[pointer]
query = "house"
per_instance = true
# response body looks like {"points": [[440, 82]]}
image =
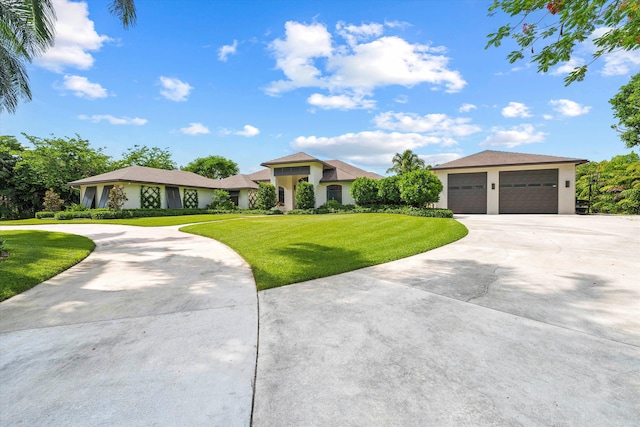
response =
{"points": [[158, 188], [498, 182]]}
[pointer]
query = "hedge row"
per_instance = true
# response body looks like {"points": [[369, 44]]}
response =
{"points": [[143, 213], [394, 209]]}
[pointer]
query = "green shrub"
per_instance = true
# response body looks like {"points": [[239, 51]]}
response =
{"points": [[301, 212], [266, 197], [76, 207], [221, 200], [66, 215], [419, 188], [333, 205], [389, 190], [305, 196], [45, 214], [52, 201], [1, 245], [365, 191], [261, 212]]}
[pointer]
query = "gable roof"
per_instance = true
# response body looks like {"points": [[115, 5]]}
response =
{"points": [[293, 158], [261, 175], [342, 171], [144, 174], [503, 158]]}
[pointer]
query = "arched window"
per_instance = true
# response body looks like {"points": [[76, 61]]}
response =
{"points": [[334, 192], [281, 195]]}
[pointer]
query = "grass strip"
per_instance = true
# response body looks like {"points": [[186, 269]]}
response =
{"points": [[35, 256], [160, 221], [292, 249]]}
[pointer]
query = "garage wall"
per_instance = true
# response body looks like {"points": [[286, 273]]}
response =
{"points": [[566, 195]]}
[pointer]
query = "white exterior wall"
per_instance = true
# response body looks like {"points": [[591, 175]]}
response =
{"points": [[566, 195], [321, 193], [289, 182], [243, 198], [132, 191]]}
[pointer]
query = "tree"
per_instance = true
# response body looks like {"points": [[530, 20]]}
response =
{"points": [[626, 107], [305, 196], [420, 187], [266, 197], [52, 201], [27, 30], [552, 29], [364, 191], [153, 157], [406, 162], [215, 167]]}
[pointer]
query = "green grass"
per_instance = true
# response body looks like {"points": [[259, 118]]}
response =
{"points": [[159, 221], [291, 249], [35, 256]]}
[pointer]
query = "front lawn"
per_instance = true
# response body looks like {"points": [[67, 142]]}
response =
{"points": [[158, 221], [291, 249], [35, 256]]}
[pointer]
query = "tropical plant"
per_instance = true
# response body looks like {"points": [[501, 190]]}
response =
{"points": [[626, 107], [266, 197], [364, 191], [117, 198], [420, 187], [27, 30], [305, 196], [215, 167], [404, 162], [552, 29]]}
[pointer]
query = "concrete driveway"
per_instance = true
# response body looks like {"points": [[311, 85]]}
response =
{"points": [[529, 320], [155, 327]]}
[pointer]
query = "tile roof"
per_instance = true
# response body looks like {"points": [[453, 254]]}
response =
{"points": [[344, 172], [261, 175], [236, 182], [293, 158], [150, 175], [504, 158]]}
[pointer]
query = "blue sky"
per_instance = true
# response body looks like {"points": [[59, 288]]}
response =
{"points": [[351, 80]]}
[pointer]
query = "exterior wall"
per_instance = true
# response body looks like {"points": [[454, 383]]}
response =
{"points": [[321, 193], [289, 182], [132, 191], [243, 199], [566, 195]]}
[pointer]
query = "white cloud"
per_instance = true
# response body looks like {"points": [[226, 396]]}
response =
{"points": [[568, 66], [517, 135], [195, 129], [174, 89], [401, 99], [516, 109], [248, 131], [309, 57], [340, 102], [547, 116], [83, 88], [75, 38], [439, 125], [465, 108], [227, 50], [568, 108], [618, 62], [97, 118]]}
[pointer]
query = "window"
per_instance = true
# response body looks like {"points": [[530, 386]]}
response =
{"points": [[234, 195], [295, 170], [104, 198], [89, 199], [173, 198], [334, 192], [281, 195]]}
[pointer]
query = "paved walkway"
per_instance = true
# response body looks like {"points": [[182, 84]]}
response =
{"points": [[529, 320], [155, 327]]}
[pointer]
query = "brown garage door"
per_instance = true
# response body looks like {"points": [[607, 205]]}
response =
{"points": [[467, 192], [523, 192]]}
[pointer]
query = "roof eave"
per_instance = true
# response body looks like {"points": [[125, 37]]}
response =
{"points": [[574, 161]]}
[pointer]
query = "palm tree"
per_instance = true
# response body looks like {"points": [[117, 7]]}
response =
{"points": [[406, 162], [27, 29]]}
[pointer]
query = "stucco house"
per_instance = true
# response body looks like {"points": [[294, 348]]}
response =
{"points": [[158, 188], [498, 182]]}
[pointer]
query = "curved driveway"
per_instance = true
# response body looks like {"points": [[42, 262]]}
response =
{"points": [[529, 320], [155, 327]]}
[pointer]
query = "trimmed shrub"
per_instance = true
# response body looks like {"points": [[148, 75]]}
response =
{"points": [[301, 212], [76, 207], [73, 215], [267, 197], [419, 188], [45, 214], [389, 190], [365, 191], [305, 196], [221, 200]]}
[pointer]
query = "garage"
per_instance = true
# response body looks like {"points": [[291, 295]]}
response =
{"points": [[468, 192], [529, 191]]}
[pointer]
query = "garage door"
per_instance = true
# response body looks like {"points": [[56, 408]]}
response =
{"points": [[467, 192], [534, 191]]}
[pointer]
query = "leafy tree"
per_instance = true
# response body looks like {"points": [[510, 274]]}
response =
{"points": [[27, 30], [420, 187], [52, 201], [389, 190], [612, 186], [266, 197], [153, 157], [404, 162], [364, 191], [215, 167], [221, 200], [551, 29], [305, 196], [626, 107], [117, 197]]}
